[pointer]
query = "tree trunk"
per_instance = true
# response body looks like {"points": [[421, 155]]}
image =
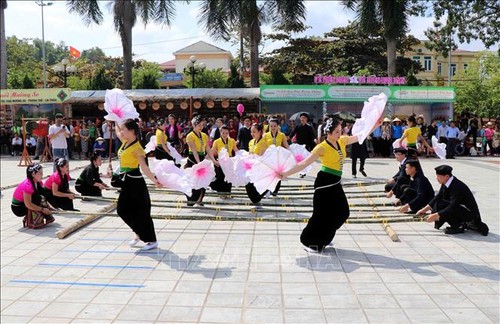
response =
{"points": [[126, 38], [3, 45], [254, 54], [242, 57], [391, 56]]}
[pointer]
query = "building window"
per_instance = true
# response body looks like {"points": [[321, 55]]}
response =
{"points": [[440, 68], [453, 69], [466, 66], [416, 59], [427, 63]]}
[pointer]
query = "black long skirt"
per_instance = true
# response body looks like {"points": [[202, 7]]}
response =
{"points": [[219, 184], [330, 211], [63, 203], [134, 206], [196, 194]]}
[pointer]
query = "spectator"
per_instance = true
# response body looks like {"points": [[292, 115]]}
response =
{"points": [[100, 147], [441, 133], [285, 128], [244, 135], [57, 136], [452, 138], [397, 129], [432, 130], [70, 140], [84, 139], [107, 135], [17, 145], [30, 144], [473, 128], [488, 135]]}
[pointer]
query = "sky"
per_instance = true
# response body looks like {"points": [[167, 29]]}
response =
{"points": [[155, 43]]}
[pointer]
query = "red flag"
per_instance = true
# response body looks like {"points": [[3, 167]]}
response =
{"points": [[74, 52]]}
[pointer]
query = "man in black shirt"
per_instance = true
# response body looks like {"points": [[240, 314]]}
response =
{"points": [[304, 132], [419, 192], [244, 135], [454, 204]]}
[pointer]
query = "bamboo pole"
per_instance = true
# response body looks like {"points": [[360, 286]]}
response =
{"points": [[89, 218]]}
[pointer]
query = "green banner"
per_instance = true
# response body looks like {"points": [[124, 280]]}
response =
{"points": [[341, 93], [34, 96]]}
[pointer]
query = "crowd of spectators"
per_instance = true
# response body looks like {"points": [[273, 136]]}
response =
{"points": [[464, 136]]}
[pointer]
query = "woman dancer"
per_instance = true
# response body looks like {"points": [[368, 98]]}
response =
{"points": [[161, 150], [330, 207], [256, 146], [89, 182], [413, 134], [198, 148], [134, 203], [277, 138], [224, 141], [57, 187], [27, 200]]}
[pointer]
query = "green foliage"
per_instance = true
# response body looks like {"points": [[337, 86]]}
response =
{"points": [[100, 81], [234, 80], [145, 75], [95, 54], [277, 77], [28, 83], [342, 51], [77, 83], [478, 87], [467, 19], [411, 80], [206, 79], [21, 61]]}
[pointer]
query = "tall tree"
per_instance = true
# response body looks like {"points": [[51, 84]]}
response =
{"points": [[221, 16], [391, 15], [342, 51], [3, 46], [467, 19], [125, 14]]}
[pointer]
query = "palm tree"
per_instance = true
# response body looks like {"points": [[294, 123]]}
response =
{"points": [[391, 15], [3, 45], [220, 17], [125, 13]]}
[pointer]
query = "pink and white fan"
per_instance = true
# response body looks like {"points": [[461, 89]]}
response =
{"points": [[439, 148], [172, 177], [397, 144], [118, 106], [201, 175], [151, 145], [300, 153], [370, 115], [227, 165], [274, 161], [243, 165]]}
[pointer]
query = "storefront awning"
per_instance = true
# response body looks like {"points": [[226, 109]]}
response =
{"points": [[92, 96]]}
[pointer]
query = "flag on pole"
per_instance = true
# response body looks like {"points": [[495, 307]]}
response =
{"points": [[74, 52]]}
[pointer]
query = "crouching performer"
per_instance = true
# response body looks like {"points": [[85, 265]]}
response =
{"points": [[419, 192], [454, 204], [27, 201], [89, 182]]}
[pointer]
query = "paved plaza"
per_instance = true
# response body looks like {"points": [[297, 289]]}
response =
{"points": [[254, 271]]}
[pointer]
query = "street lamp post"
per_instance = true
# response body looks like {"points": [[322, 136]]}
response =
{"points": [[44, 64], [194, 68], [64, 68]]}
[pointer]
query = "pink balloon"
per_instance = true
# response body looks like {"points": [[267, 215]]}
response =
{"points": [[240, 108]]}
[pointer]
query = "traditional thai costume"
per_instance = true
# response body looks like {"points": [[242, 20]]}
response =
{"points": [[256, 147], [200, 142], [62, 182], [219, 184]]}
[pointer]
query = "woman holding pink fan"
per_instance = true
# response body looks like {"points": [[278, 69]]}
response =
{"points": [[198, 148], [134, 203]]}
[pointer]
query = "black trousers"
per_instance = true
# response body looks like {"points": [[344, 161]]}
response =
{"points": [[253, 194], [59, 202], [87, 190], [458, 215], [330, 211], [219, 184], [134, 206], [196, 194], [361, 164]]}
